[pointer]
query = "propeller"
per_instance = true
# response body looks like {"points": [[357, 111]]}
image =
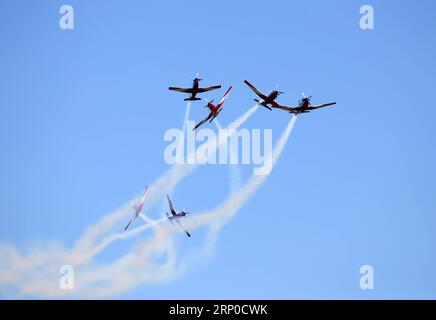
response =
{"points": [[211, 102], [304, 96], [277, 89]]}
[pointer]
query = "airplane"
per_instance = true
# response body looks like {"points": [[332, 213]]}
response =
{"points": [[304, 106], [214, 109], [138, 208], [175, 216], [195, 89], [266, 99]]}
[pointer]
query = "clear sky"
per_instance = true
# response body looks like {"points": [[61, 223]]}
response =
{"points": [[83, 113]]}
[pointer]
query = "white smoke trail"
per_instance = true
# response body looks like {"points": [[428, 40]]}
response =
{"points": [[143, 265], [180, 145], [227, 210], [234, 169], [162, 186], [217, 218], [185, 121], [165, 243], [235, 184], [33, 272], [124, 235]]}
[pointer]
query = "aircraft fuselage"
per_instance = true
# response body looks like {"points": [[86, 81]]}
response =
{"points": [[177, 215], [138, 208], [270, 98], [195, 86], [213, 108], [304, 103]]}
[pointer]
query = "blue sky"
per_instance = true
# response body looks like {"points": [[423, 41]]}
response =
{"points": [[83, 113]]}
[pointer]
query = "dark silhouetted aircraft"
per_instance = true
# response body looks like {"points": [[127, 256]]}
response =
{"points": [[214, 109], [304, 106], [194, 90], [175, 216], [266, 99]]}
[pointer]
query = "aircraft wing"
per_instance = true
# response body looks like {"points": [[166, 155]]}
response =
{"points": [[289, 109], [321, 105], [129, 223], [224, 97], [145, 194], [260, 94], [275, 104], [201, 90], [187, 90], [183, 228], [202, 122], [171, 205]]}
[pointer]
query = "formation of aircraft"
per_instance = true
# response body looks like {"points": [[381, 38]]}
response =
{"points": [[138, 208], [195, 89], [304, 106], [267, 101], [173, 217], [214, 109]]}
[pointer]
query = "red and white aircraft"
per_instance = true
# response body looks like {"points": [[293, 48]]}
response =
{"points": [[138, 208], [214, 109]]}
